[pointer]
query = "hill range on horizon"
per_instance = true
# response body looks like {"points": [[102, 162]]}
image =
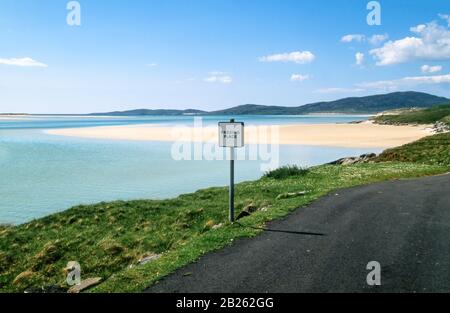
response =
{"points": [[353, 105]]}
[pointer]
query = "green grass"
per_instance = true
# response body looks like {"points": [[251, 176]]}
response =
{"points": [[425, 116], [286, 171], [429, 150], [446, 119], [107, 239]]}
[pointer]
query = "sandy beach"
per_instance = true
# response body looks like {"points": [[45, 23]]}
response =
{"points": [[364, 135], [12, 116]]}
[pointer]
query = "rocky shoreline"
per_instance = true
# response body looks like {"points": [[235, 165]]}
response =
{"points": [[365, 158]]}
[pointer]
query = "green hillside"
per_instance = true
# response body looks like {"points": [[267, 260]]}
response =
{"points": [[429, 150], [355, 105], [432, 115]]}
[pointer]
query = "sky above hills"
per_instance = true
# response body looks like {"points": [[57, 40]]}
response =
{"points": [[211, 55]]}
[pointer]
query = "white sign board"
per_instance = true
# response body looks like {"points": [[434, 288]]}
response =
{"points": [[231, 135]]}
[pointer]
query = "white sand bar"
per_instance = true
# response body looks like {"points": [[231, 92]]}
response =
{"points": [[364, 135]]}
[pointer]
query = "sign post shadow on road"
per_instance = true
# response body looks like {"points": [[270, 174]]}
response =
{"points": [[231, 135]]}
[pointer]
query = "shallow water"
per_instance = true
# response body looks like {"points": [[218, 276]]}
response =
{"points": [[42, 174]]}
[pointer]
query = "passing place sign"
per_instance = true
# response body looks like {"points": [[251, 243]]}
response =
{"points": [[231, 135]]}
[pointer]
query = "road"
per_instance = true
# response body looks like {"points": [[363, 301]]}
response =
{"points": [[404, 225]]}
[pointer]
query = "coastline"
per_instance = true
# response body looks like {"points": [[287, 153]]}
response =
{"points": [[207, 230], [13, 116], [363, 135]]}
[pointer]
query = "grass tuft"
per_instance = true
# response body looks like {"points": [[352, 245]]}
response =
{"points": [[286, 172]]}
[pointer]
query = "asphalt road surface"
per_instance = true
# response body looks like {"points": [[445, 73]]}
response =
{"points": [[403, 225]]}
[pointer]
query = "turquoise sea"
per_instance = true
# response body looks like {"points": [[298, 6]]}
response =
{"points": [[42, 174]]}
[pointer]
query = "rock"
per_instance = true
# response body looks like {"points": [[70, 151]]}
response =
{"points": [[24, 278], [248, 210], [242, 215], [210, 224], [440, 127], [85, 284], [289, 195], [217, 226], [251, 208], [365, 158], [150, 257]]}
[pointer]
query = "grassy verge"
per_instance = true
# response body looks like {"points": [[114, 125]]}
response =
{"points": [[108, 239], [429, 150], [425, 116]]}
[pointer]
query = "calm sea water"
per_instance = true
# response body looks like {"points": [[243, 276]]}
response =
{"points": [[42, 174]]}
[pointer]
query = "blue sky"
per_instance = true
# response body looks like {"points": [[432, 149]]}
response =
{"points": [[212, 54]]}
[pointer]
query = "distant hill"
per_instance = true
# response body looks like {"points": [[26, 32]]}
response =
{"points": [[13, 114], [355, 105], [377, 103], [152, 112], [369, 104]]}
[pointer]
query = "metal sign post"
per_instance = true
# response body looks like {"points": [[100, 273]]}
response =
{"points": [[231, 201], [231, 135]]}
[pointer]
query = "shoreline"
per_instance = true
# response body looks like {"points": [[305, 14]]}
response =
{"points": [[13, 116], [363, 135]]}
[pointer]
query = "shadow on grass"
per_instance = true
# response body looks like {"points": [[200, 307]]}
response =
{"points": [[282, 231]]}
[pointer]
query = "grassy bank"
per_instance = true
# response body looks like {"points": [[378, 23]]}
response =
{"points": [[429, 150], [108, 239], [432, 115]]}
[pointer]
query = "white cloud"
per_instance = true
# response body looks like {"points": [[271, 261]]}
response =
{"points": [[418, 29], [339, 90], [359, 58], [431, 43], [445, 17], [299, 77], [374, 40], [378, 39], [353, 37], [217, 73], [23, 62], [152, 64], [437, 79], [407, 82], [219, 77], [390, 85], [299, 57], [427, 69]]}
